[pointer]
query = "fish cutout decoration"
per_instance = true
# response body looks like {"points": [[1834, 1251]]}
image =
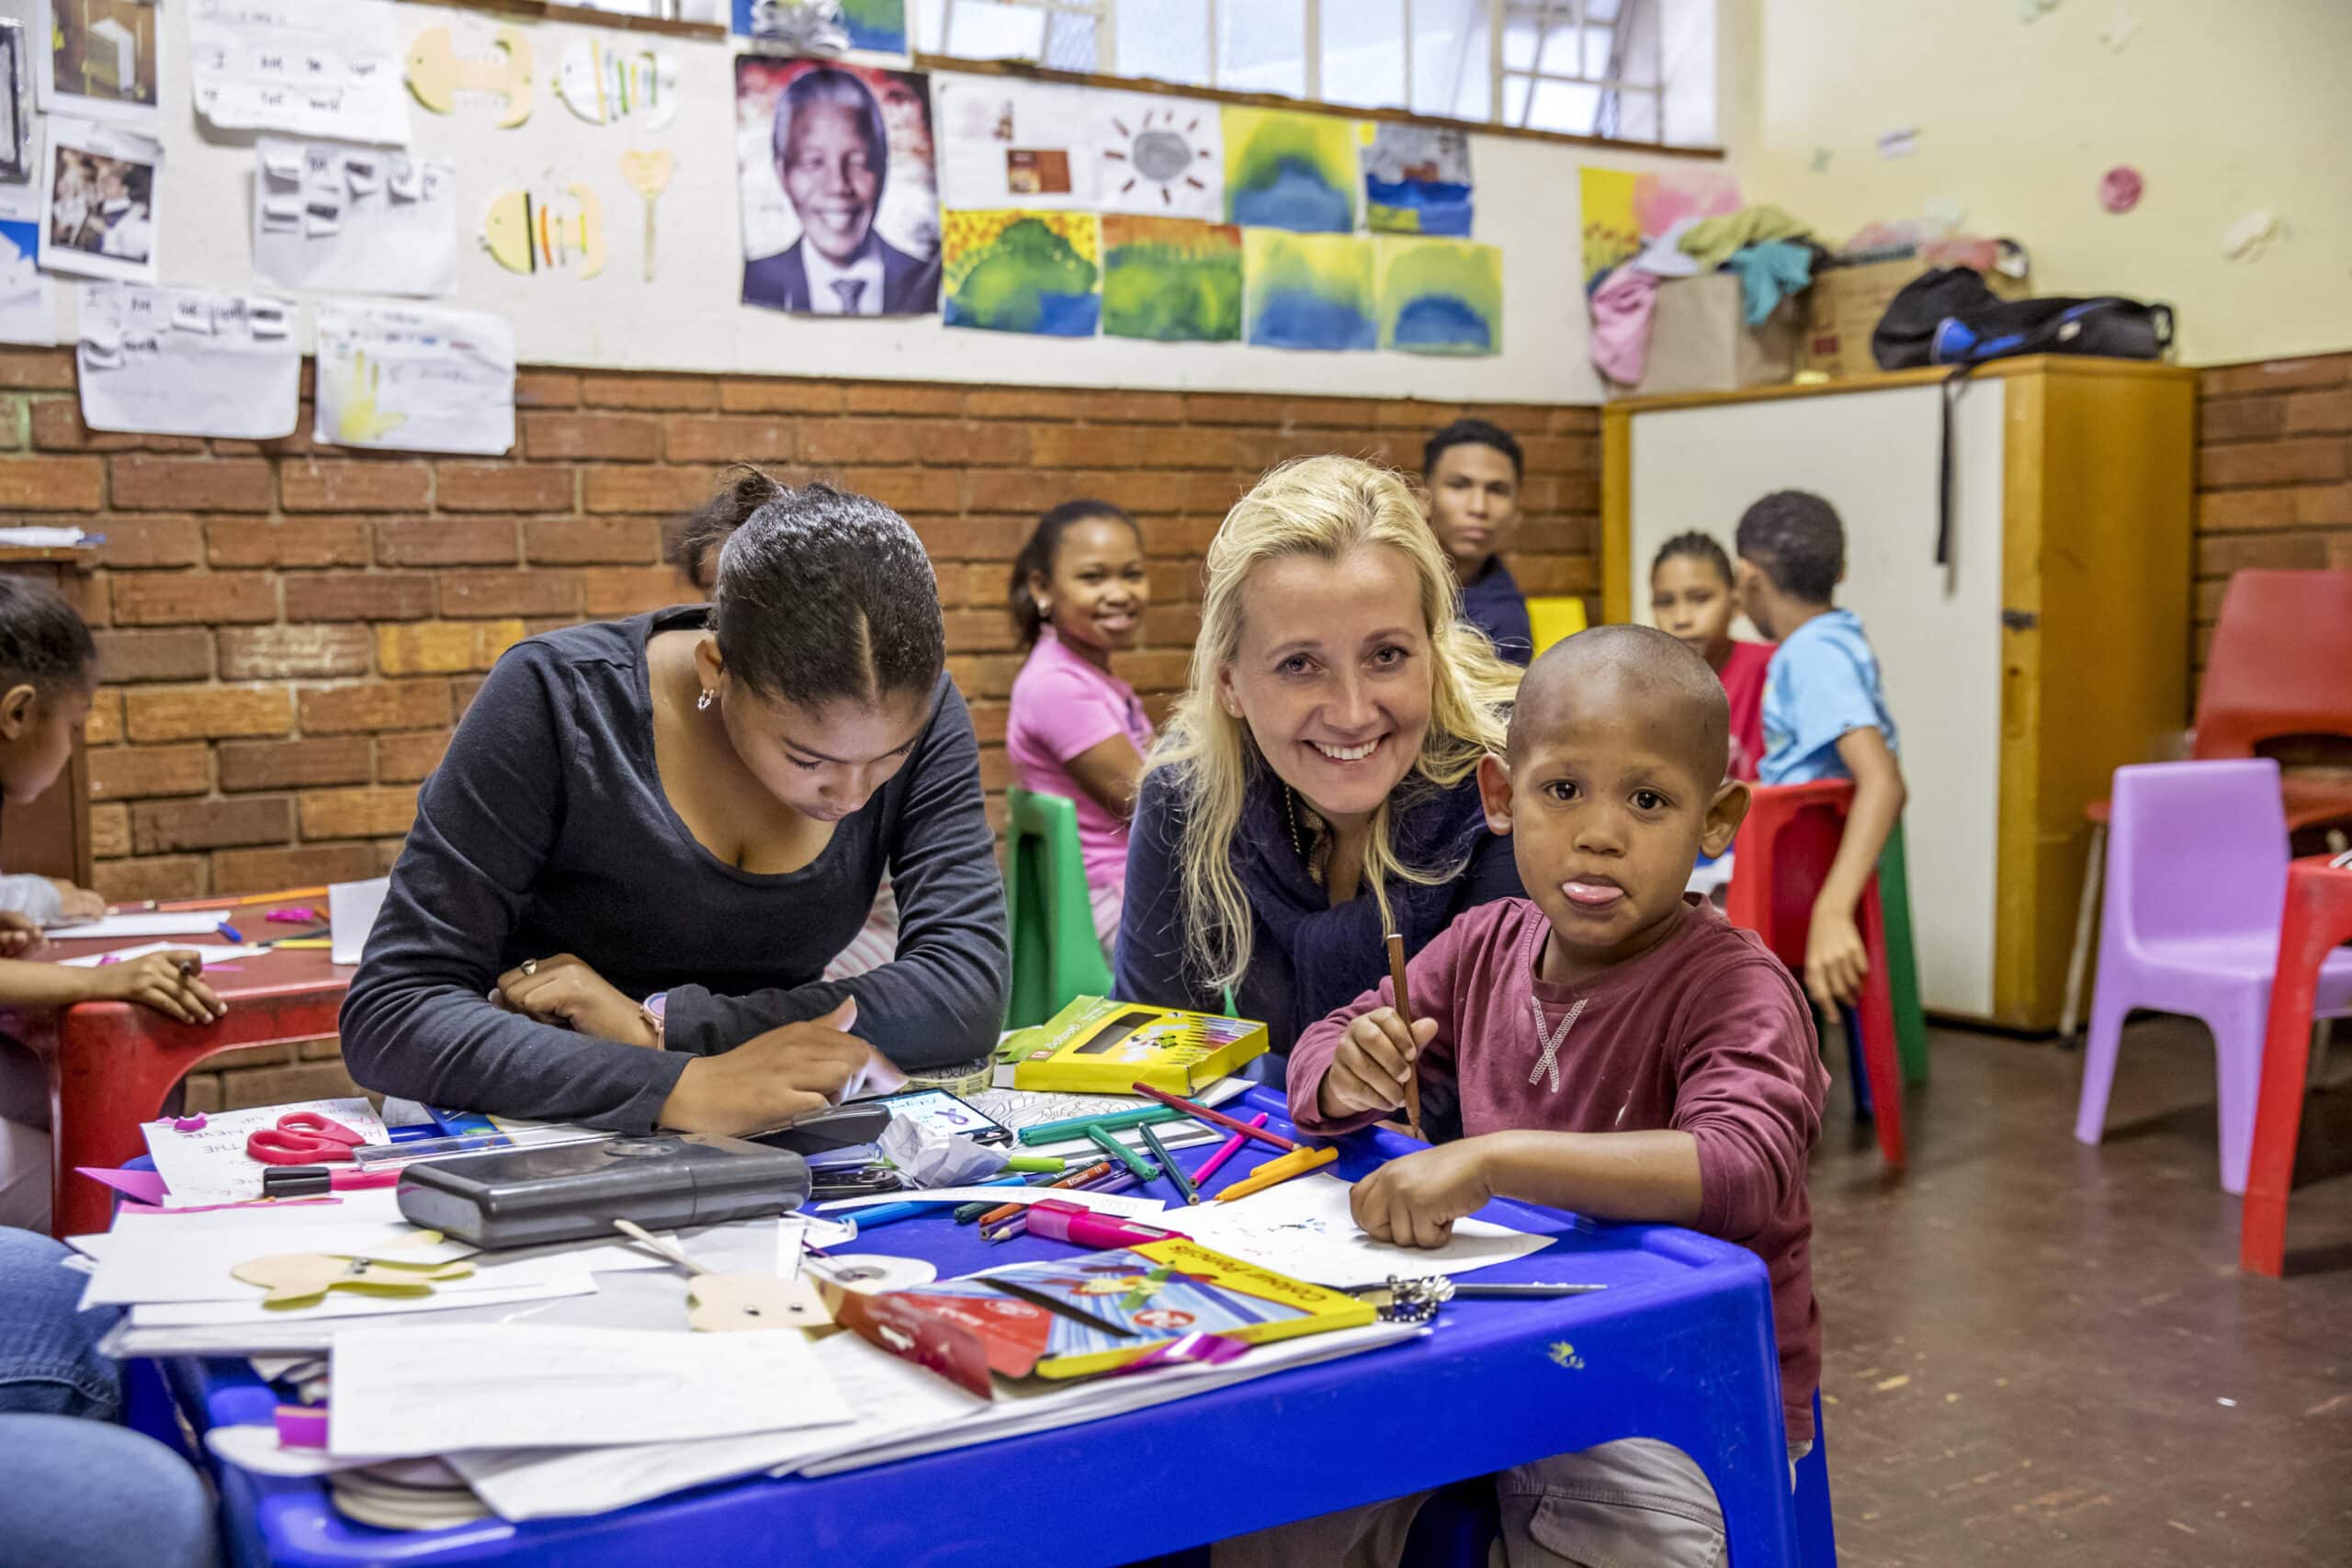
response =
{"points": [[605, 85], [530, 233], [648, 173], [303, 1279], [437, 74]]}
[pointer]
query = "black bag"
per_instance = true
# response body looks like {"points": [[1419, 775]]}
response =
{"points": [[1904, 337]]}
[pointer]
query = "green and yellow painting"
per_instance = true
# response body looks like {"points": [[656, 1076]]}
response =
{"points": [[1309, 290], [1285, 170], [1440, 295], [1023, 272], [1171, 279]]}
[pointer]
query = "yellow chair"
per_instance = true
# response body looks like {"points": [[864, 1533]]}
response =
{"points": [[1552, 619]]}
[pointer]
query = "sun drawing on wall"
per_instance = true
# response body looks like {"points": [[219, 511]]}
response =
{"points": [[1160, 149]]}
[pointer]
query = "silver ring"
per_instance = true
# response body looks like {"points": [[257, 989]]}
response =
{"points": [[530, 967]]}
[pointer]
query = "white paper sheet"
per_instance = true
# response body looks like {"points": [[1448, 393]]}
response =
{"points": [[166, 922], [1124, 1205], [188, 361], [247, 1325], [101, 202], [213, 953], [211, 1165], [355, 220], [150, 1266], [1302, 1228], [416, 380], [1004, 142], [257, 1449], [395, 1389], [352, 907], [28, 302], [312, 67], [1161, 156]]}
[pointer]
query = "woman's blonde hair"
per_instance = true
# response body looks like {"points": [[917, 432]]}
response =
{"points": [[1324, 507]]}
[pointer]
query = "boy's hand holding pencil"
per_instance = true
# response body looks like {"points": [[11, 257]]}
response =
{"points": [[1375, 1064]]}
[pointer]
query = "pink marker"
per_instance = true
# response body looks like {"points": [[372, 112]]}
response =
{"points": [[1057, 1221], [1230, 1148]]}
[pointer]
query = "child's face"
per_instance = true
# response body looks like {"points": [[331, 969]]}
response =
{"points": [[1759, 599], [1608, 814], [37, 738], [1098, 588], [1694, 604]]}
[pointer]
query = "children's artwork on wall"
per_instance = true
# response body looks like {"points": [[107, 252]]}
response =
{"points": [[97, 59], [355, 220], [1416, 179], [440, 77], [841, 206], [876, 25], [606, 84], [1660, 202], [1612, 236], [1288, 170], [649, 174], [1004, 142], [1171, 279], [308, 67], [415, 379], [188, 361], [100, 190], [27, 306], [1308, 290], [1024, 272], [553, 229], [1156, 155], [1440, 295]]}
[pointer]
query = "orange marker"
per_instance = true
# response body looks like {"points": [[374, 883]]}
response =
{"points": [[1281, 1167]]}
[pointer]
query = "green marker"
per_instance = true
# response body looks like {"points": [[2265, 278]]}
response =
{"points": [[1144, 1169], [1118, 1121], [1047, 1165]]}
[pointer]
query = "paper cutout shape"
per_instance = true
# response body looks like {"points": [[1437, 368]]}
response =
{"points": [[1288, 170], [729, 1304], [530, 235], [296, 1280], [1440, 295], [605, 85], [1308, 290], [2120, 188], [1416, 179], [437, 74], [1171, 279], [649, 174], [1023, 272], [2247, 238], [1157, 156]]}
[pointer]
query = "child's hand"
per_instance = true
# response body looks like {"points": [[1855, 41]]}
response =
{"points": [[1414, 1201], [1835, 961], [1374, 1063], [19, 935], [165, 981], [77, 903]]}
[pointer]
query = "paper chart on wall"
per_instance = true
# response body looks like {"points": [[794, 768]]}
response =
{"points": [[313, 67], [416, 380], [1009, 144], [188, 361], [354, 219]]}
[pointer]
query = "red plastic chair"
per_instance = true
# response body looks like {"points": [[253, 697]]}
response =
{"points": [[1785, 851], [2318, 920]]}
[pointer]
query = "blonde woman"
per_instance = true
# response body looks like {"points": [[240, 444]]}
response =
{"points": [[1316, 786]]}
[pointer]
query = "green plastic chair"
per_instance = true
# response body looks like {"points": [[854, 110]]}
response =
{"points": [[1902, 959], [1056, 955]]}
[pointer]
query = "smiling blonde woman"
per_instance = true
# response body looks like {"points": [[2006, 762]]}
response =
{"points": [[1315, 787]]}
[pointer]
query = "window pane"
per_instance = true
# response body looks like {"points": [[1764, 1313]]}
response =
{"points": [[1449, 73], [1070, 43], [1262, 45], [927, 25], [1597, 42], [1564, 105], [1164, 38], [1520, 34], [1364, 52], [983, 29], [1514, 100]]}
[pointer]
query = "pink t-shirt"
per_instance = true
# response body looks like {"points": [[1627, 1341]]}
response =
{"points": [[1062, 708]]}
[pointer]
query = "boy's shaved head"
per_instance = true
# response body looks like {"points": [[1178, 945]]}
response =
{"points": [[1679, 694]]}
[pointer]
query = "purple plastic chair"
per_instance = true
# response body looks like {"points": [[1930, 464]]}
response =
{"points": [[2196, 887]]}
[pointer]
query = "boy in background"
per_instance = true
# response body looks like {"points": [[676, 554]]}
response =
{"points": [[1825, 712], [1473, 471]]}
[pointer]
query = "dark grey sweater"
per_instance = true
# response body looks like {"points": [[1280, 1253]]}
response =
{"points": [[544, 831]]}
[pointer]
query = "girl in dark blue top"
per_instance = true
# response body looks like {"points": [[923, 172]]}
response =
{"points": [[649, 836]]}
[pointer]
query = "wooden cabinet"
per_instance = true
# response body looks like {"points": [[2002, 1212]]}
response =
{"points": [[51, 836], [2052, 649]]}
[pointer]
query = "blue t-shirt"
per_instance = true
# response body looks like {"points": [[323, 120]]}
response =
{"points": [[1492, 602], [1822, 683]]}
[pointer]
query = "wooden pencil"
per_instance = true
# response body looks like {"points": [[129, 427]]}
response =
{"points": [[1405, 1011]]}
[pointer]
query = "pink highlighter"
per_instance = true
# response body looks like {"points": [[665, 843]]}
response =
{"points": [[1057, 1221]]}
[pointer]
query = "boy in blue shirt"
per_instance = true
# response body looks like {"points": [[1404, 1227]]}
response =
{"points": [[1825, 712], [1474, 472]]}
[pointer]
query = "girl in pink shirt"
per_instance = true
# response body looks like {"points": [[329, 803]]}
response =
{"points": [[1075, 730]]}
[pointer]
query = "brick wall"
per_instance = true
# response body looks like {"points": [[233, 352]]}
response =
{"points": [[290, 633]]}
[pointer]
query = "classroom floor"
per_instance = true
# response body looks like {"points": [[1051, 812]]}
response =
{"points": [[2038, 1352]]}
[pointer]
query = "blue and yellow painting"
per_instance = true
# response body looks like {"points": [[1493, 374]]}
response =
{"points": [[1286, 169], [1023, 272], [1171, 279], [877, 25], [1440, 295], [1309, 290], [1416, 179]]}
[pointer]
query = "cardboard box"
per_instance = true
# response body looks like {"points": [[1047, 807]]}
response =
{"points": [[1843, 307], [1700, 341]]}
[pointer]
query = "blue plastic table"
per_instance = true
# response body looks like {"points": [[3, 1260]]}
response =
{"points": [[1680, 1348]]}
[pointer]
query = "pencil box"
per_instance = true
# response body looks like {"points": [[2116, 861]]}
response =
{"points": [[1107, 1047], [524, 1197]]}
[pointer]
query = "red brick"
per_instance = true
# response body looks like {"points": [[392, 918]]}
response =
{"points": [[37, 369], [53, 484], [2275, 375], [183, 484], [985, 539], [447, 541], [2245, 509], [357, 813], [1576, 420], [410, 758], [288, 542], [889, 397], [326, 485], [1085, 447], [294, 765], [780, 397], [1414, 413], [1016, 489], [128, 656], [127, 773], [988, 675], [1136, 408], [207, 712], [2221, 554], [1021, 402], [1193, 447], [996, 769], [282, 653], [1144, 491], [104, 726], [1177, 579], [358, 596], [2339, 552], [2323, 506], [625, 591], [264, 1086], [2270, 463], [1155, 669], [717, 438], [593, 437], [591, 541], [537, 592], [906, 491], [648, 489], [650, 391], [462, 691], [379, 705], [1171, 624], [504, 487], [160, 827], [988, 721], [1231, 408], [194, 598], [2308, 411], [444, 647], [547, 390], [263, 871], [978, 631], [2240, 419], [168, 876], [1556, 574], [57, 427], [109, 832], [860, 441]]}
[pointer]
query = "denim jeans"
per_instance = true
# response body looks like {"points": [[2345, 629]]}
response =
{"points": [[50, 1363]]}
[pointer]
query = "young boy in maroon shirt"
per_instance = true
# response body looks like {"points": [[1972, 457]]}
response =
{"points": [[1614, 1049]]}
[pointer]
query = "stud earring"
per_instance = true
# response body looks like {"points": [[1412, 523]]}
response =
{"points": [[1045, 608], [704, 701]]}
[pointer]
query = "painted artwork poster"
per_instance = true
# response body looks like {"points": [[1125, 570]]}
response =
{"points": [[1171, 279], [1309, 291], [1024, 272], [1440, 295], [841, 208], [1288, 170], [1156, 156], [1009, 144], [1612, 234], [1416, 179]]}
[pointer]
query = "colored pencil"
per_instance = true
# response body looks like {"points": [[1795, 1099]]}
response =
{"points": [[1168, 1163], [1118, 1181], [1094, 1172], [1225, 1151], [1405, 1011], [1183, 1107], [1298, 1162]]}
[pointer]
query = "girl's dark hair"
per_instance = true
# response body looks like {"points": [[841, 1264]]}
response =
{"points": [[695, 539], [43, 641], [1698, 547], [1037, 555], [824, 595]]}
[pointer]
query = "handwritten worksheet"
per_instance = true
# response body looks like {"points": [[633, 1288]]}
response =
{"points": [[313, 67], [186, 362], [354, 219], [209, 1165], [416, 380], [1304, 1228]]}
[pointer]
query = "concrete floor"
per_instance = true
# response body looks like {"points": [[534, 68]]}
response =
{"points": [[2042, 1353]]}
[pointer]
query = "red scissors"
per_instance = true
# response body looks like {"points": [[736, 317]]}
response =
{"points": [[302, 1137]]}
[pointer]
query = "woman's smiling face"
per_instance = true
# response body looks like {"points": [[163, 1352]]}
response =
{"points": [[1333, 675]]}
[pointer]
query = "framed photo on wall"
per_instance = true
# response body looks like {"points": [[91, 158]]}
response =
{"points": [[98, 59], [15, 106]]}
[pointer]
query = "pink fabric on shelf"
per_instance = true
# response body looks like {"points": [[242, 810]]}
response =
{"points": [[1622, 307]]}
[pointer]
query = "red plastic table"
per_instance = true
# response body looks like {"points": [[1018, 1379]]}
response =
{"points": [[2318, 919], [112, 1064]]}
